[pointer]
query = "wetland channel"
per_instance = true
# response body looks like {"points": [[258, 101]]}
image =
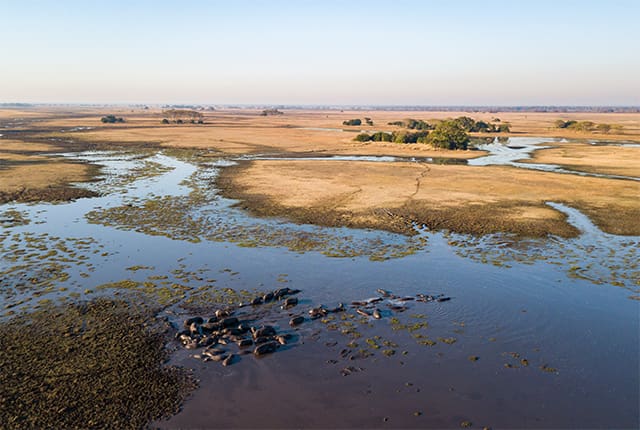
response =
{"points": [[538, 333]]}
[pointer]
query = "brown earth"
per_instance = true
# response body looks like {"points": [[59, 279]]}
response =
{"points": [[465, 199]]}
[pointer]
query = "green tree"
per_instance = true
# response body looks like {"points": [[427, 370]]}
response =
{"points": [[381, 136], [356, 121], [362, 137], [466, 123], [448, 134]]}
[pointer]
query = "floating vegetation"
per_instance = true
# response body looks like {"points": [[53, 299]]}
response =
{"points": [[200, 215], [597, 257], [13, 218], [37, 263], [64, 367]]}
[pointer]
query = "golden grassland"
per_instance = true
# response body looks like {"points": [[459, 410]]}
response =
{"points": [[461, 198], [611, 160]]}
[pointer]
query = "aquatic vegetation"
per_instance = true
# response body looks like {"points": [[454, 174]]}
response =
{"points": [[200, 216], [13, 218], [77, 366], [599, 258], [37, 263]]}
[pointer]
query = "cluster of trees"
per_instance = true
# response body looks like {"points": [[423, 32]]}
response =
{"points": [[588, 126], [271, 112], [111, 119], [413, 124], [396, 136], [472, 126], [357, 121], [468, 124], [447, 134], [179, 116]]}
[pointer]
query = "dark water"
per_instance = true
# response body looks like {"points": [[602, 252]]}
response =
{"points": [[553, 323]]}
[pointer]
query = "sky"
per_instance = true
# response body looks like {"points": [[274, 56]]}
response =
{"points": [[323, 52]]}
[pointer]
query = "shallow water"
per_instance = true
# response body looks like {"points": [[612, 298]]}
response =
{"points": [[511, 151], [563, 306]]}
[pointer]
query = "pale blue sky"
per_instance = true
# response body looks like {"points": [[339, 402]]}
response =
{"points": [[321, 52]]}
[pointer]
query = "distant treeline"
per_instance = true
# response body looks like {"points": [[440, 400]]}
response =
{"points": [[588, 126]]}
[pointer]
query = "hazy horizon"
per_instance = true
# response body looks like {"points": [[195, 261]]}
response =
{"points": [[402, 53]]}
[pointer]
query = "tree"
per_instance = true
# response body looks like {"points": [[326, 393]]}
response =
{"points": [[449, 134], [362, 137], [381, 136], [356, 121], [165, 121], [466, 123]]}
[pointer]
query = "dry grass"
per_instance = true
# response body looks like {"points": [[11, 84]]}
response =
{"points": [[27, 176], [607, 159], [460, 198]]}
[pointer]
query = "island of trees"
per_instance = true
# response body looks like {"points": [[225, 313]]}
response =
{"points": [[447, 134]]}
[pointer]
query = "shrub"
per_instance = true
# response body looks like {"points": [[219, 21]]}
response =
{"points": [[362, 137], [356, 121], [165, 121], [110, 119]]}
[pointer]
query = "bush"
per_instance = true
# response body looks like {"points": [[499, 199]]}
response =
{"points": [[413, 124], [271, 112], [356, 121], [362, 137], [504, 128], [381, 136], [165, 121], [110, 119], [449, 134]]}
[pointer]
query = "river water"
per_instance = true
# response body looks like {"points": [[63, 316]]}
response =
{"points": [[539, 333]]}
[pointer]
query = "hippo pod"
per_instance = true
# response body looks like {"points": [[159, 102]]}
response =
{"points": [[278, 294]]}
